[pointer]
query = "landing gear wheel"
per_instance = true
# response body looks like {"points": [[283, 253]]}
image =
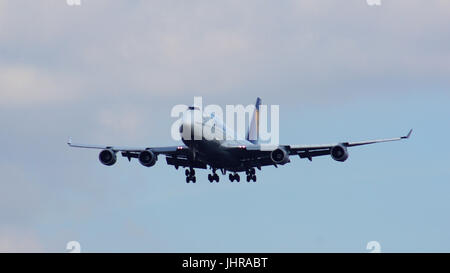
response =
{"points": [[231, 177], [188, 179], [248, 178], [186, 172], [237, 177], [216, 177], [210, 178], [194, 179]]}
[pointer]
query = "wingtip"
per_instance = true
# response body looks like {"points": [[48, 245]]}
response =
{"points": [[409, 134], [69, 141]]}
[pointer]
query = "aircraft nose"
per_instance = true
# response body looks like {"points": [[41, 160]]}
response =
{"points": [[189, 126], [185, 128]]}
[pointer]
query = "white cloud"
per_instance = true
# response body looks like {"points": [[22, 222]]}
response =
{"points": [[168, 48], [29, 86]]}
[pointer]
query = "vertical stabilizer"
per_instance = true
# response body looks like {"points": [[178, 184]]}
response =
{"points": [[253, 130]]}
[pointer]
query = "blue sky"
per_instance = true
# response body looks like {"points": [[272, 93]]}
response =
{"points": [[111, 72]]}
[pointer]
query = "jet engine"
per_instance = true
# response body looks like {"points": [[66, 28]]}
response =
{"points": [[147, 158], [339, 153], [279, 156], [107, 157]]}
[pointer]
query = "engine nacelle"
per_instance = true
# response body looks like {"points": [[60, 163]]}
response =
{"points": [[107, 157], [147, 158], [339, 153], [279, 156]]}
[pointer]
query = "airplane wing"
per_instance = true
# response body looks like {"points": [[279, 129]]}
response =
{"points": [[134, 151], [255, 155], [309, 151], [258, 155]]}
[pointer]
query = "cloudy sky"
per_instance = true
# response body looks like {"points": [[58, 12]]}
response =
{"points": [[110, 72]]}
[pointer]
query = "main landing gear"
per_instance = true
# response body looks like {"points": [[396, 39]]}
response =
{"points": [[234, 177], [213, 177], [251, 176], [190, 175]]}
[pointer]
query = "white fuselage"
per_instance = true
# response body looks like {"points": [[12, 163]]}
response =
{"points": [[209, 136]]}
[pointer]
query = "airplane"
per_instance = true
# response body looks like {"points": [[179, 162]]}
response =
{"points": [[234, 156]]}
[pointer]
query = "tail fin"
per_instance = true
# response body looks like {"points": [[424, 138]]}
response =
{"points": [[253, 130]]}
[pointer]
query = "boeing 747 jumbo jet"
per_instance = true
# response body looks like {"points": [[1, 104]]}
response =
{"points": [[225, 155]]}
